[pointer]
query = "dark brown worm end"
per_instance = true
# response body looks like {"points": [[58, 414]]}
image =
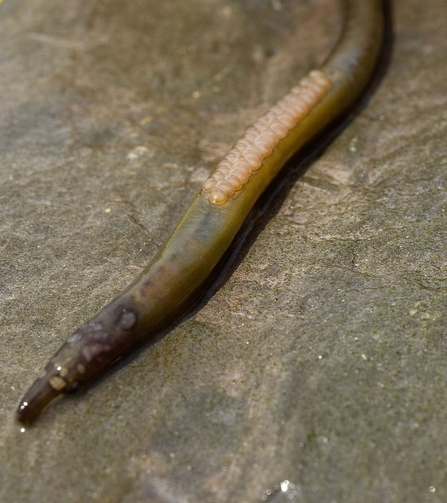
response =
{"points": [[36, 399]]}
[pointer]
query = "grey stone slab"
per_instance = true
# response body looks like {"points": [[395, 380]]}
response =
{"points": [[322, 359]]}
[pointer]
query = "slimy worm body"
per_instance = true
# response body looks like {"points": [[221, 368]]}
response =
{"points": [[259, 141], [167, 287]]}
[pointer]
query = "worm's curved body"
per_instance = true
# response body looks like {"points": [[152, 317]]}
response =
{"points": [[169, 284]]}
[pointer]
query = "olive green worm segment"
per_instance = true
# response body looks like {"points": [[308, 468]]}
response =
{"points": [[169, 284]]}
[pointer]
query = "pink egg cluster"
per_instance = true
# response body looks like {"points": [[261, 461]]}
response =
{"points": [[248, 154]]}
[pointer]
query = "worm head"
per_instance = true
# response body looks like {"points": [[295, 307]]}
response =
{"points": [[92, 348]]}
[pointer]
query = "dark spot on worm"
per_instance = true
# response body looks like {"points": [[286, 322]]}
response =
{"points": [[72, 388]]}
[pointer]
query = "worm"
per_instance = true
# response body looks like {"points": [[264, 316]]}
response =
{"points": [[167, 287]]}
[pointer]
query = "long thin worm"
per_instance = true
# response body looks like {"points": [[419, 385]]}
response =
{"points": [[169, 284]]}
